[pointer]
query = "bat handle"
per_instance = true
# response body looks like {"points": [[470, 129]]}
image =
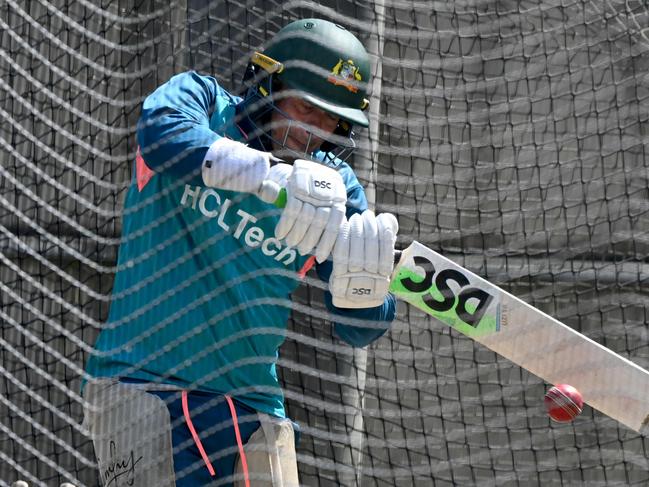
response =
{"points": [[280, 202]]}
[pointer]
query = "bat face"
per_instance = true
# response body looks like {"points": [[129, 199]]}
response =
{"points": [[446, 291], [523, 334]]}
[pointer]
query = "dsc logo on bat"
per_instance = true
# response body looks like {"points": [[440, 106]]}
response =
{"points": [[480, 299]]}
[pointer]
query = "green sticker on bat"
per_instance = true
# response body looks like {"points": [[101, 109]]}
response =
{"points": [[470, 311]]}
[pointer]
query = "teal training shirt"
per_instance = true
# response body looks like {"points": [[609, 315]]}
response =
{"points": [[201, 295]]}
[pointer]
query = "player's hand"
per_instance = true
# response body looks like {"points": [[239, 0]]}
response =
{"points": [[233, 166], [315, 209], [363, 260], [276, 180]]}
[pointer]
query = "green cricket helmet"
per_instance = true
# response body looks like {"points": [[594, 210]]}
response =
{"points": [[316, 60], [326, 64]]}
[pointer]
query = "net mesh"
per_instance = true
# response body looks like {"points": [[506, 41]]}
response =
{"points": [[510, 136]]}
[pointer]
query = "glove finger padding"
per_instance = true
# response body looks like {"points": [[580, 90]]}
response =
{"points": [[389, 226], [371, 236], [338, 282], [363, 260], [315, 209], [356, 260], [318, 225], [330, 234], [303, 222], [290, 214]]}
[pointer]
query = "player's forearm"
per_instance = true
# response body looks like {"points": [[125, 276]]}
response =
{"points": [[173, 132], [380, 317]]}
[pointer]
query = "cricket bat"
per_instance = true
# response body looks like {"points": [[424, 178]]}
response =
{"points": [[521, 333]]}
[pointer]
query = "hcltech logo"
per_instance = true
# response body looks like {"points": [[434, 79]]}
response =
{"points": [[237, 222]]}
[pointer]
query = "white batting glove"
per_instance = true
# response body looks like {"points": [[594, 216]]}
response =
{"points": [[363, 260], [276, 180], [233, 166], [315, 209]]}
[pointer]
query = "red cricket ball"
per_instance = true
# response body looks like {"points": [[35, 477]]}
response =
{"points": [[563, 402]]}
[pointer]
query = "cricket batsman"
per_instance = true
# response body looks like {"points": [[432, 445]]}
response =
{"points": [[184, 389]]}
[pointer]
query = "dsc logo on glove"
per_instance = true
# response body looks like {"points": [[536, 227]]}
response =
{"points": [[322, 184], [362, 291]]}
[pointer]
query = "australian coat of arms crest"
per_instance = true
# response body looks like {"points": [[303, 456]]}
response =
{"points": [[345, 73]]}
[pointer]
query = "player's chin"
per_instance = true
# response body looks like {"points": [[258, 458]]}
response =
{"points": [[287, 155], [294, 150]]}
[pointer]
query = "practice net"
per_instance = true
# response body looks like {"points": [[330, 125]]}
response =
{"points": [[510, 136]]}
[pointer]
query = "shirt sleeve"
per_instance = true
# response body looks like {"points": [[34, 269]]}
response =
{"points": [[380, 317], [173, 131]]}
